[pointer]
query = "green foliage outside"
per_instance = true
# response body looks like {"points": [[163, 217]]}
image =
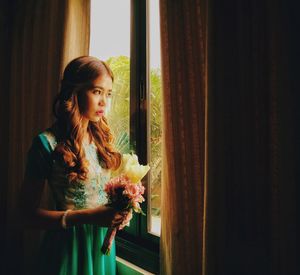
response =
{"points": [[119, 120]]}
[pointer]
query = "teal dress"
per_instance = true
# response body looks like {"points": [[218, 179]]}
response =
{"points": [[77, 249]]}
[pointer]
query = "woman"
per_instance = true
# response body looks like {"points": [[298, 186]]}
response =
{"points": [[75, 155]]}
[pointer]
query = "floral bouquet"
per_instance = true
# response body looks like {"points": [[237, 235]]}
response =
{"points": [[124, 192]]}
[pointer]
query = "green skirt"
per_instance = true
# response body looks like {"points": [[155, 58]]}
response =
{"points": [[75, 251]]}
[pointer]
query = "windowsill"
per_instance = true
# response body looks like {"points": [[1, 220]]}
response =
{"points": [[141, 255], [126, 268]]}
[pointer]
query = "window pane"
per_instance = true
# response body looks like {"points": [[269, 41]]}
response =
{"points": [[155, 117], [110, 42]]}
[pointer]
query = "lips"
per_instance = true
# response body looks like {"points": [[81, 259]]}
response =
{"points": [[100, 112]]}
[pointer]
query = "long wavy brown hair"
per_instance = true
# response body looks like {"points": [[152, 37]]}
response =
{"points": [[78, 77]]}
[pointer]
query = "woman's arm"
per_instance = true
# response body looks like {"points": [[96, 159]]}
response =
{"points": [[33, 216]]}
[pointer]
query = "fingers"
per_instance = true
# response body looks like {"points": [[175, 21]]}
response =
{"points": [[128, 217], [118, 219], [124, 213], [126, 220], [116, 223], [121, 218]]}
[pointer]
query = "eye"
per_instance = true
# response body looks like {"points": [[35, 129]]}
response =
{"points": [[97, 92], [109, 94]]}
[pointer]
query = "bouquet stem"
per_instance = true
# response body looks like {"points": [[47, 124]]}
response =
{"points": [[106, 246]]}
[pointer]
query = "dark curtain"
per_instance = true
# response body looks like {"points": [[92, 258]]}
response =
{"points": [[42, 37], [252, 191], [249, 182], [184, 73]]}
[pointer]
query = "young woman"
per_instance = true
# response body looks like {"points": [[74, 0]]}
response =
{"points": [[75, 155]]}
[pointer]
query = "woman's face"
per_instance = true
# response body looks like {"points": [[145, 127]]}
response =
{"points": [[97, 100]]}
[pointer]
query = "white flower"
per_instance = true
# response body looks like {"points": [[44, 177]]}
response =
{"points": [[131, 168]]}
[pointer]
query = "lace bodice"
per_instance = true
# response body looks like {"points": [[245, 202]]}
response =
{"points": [[80, 194]]}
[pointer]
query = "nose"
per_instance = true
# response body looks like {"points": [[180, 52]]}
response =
{"points": [[103, 100]]}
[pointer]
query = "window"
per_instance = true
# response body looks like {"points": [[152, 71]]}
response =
{"points": [[126, 34], [110, 42], [154, 117]]}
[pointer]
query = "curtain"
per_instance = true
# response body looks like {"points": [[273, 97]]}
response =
{"points": [[46, 35], [5, 34], [251, 186], [184, 74], [231, 137]]}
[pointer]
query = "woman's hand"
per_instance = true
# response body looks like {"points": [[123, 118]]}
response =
{"points": [[127, 218], [106, 216]]}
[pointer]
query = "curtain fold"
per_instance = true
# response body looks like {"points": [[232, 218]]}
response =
{"points": [[183, 39], [46, 35], [76, 39], [231, 137]]}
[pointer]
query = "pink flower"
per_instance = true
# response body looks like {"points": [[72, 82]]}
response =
{"points": [[134, 191], [122, 193], [114, 184], [111, 187]]}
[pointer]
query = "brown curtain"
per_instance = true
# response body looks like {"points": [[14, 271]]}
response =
{"points": [[184, 71], [230, 200], [45, 36], [252, 191]]}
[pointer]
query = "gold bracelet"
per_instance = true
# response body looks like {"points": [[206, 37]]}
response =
{"points": [[63, 219]]}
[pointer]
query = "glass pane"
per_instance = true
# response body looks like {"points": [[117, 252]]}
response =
{"points": [[110, 42], [155, 117]]}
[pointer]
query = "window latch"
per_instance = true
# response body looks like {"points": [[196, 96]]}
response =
{"points": [[142, 91]]}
